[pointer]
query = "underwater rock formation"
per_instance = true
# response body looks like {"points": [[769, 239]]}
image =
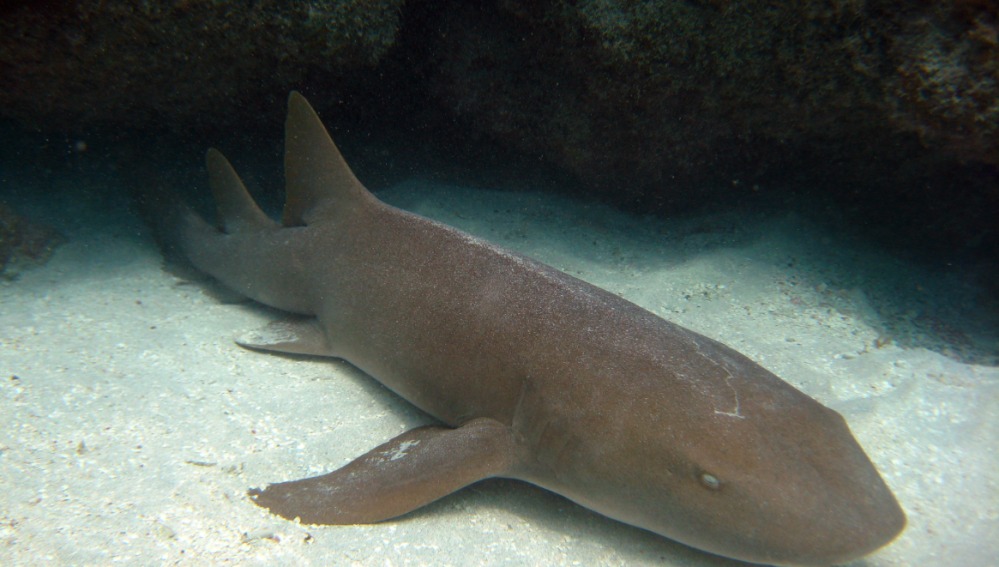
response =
{"points": [[78, 64], [946, 78], [635, 95], [650, 90]]}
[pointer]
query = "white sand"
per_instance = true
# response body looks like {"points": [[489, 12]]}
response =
{"points": [[131, 425]]}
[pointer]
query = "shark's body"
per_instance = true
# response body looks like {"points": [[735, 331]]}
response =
{"points": [[536, 375]]}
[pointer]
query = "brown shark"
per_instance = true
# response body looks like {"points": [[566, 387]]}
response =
{"points": [[535, 375]]}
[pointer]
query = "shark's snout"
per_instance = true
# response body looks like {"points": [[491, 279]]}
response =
{"points": [[824, 503], [782, 483]]}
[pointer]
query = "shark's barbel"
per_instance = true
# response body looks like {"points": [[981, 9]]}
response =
{"points": [[536, 375]]}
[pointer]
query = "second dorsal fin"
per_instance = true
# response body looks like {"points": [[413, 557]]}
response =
{"points": [[237, 210], [317, 179]]}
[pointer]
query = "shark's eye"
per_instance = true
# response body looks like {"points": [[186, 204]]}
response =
{"points": [[709, 481]]}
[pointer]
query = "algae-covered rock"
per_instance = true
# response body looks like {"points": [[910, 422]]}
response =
{"points": [[945, 83], [76, 64], [638, 96]]}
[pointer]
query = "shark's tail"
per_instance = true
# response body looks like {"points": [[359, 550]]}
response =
{"points": [[176, 228], [318, 181], [319, 186], [160, 206]]}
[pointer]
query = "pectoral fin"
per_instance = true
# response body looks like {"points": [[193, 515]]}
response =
{"points": [[397, 477], [295, 335]]}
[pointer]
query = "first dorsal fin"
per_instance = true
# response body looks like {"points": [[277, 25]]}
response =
{"points": [[237, 210], [317, 179]]}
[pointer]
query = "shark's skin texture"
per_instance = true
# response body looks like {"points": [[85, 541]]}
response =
{"points": [[535, 375]]}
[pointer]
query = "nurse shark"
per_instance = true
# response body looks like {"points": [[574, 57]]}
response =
{"points": [[534, 375]]}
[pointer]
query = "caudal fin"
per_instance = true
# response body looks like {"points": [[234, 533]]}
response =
{"points": [[319, 185]]}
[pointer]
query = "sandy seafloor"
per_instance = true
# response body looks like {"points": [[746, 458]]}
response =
{"points": [[131, 425]]}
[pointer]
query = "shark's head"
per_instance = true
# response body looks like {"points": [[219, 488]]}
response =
{"points": [[728, 458]]}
